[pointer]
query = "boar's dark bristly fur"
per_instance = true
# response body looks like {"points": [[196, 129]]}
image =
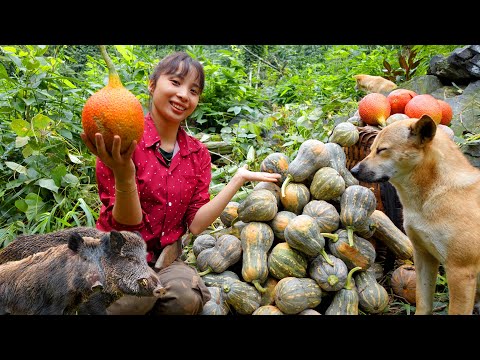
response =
{"points": [[52, 282], [123, 261]]}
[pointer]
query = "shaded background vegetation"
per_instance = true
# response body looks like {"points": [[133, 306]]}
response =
{"points": [[258, 99]]}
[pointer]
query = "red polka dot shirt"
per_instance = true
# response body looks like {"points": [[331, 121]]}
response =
{"points": [[170, 196]]}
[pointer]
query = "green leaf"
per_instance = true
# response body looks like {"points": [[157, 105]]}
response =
{"points": [[41, 121], [47, 184], [21, 127], [71, 179], [3, 72], [16, 167], [74, 159], [21, 205], [21, 141]]}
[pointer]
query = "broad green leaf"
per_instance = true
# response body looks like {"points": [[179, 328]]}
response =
{"points": [[48, 184], [74, 159], [21, 205], [16, 167], [3, 72], [21, 127], [21, 141], [41, 121], [70, 179], [68, 83]]}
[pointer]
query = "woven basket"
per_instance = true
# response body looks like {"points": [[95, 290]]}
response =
{"points": [[386, 195], [358, 152]]}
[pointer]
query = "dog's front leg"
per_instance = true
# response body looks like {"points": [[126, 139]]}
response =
{"points": [[462, 282], [426, 270]]}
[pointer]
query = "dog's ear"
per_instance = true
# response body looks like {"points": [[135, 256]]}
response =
{"points": [[423, 130]]}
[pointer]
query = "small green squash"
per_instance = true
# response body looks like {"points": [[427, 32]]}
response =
{"points": [[345, 301], [283, 261], [338, 161], [357, 203], [230, 213], [243, 297], [311, 156], [295, 197], [276, 163], [302, 233], [217, 304], [373, 298], [393, 238], [259, 205], [274, 188], [256, 239], [226, 252], [361, 254], [214, 279], [293, 295], [268, 310], [324, 213], [280, 222], [202, 242], [327, 184], [344, 134], [328, 277]]}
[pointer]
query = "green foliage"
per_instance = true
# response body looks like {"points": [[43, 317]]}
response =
{"points": [[258, 99]]}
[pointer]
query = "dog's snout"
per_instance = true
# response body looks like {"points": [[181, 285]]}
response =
{"points": [[356, 169]]}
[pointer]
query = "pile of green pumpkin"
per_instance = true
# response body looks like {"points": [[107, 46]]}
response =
{"points": [[306, 242]]}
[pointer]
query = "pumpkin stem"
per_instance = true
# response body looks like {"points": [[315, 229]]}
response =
{"points": [[226, 288], [205, 272], [259, 287], [285, 183], [350, 235], [234, 221], [325, 256], [349, 283], [113, 78], [333, 237], [332, 280]]}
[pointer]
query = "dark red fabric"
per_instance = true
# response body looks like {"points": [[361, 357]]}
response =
{"points": [[170, 196]]}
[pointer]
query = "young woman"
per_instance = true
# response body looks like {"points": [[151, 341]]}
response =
{"points": [[160, 186]]}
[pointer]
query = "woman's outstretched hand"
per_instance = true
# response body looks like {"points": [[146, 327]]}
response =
{"points": [[247, 175], [120, 163]]}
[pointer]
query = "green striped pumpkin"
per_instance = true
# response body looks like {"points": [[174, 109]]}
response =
{"points": [[202, 242], [357, 203], [373, 298], [229, 214], [293, 295], [267, 310], [216, 305], [243, 297], [226, 252], [283, 261], [259, 205], [344, 134], [302, 233], [280, 222], [270, 186], [311, 156], [362, 253], [345, 301], [324, 213], [391, 235], [338, 161], [295, 197], [327, 184], [256, 239], [328, 277], [213, 279], [268, 297], [276, 163]]}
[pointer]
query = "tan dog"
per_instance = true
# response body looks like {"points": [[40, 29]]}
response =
{"points": [[440, 193], [377, 84]]}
